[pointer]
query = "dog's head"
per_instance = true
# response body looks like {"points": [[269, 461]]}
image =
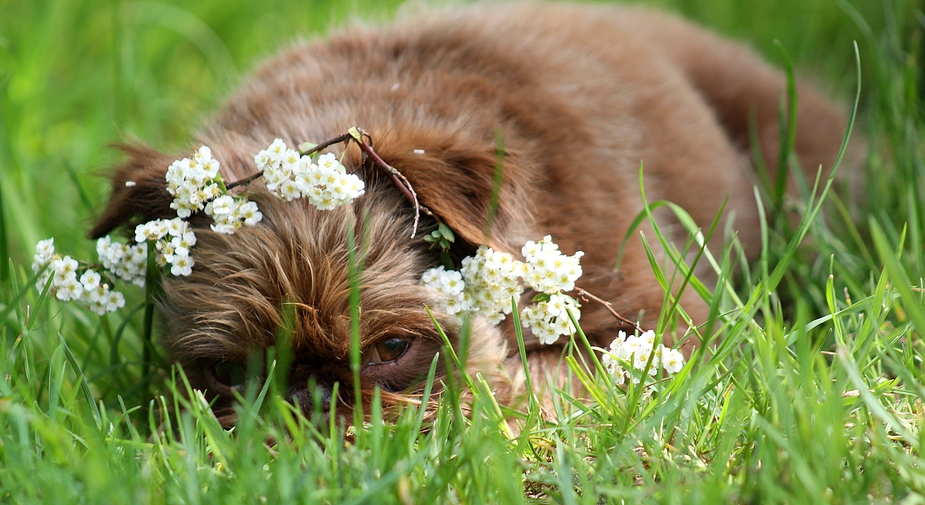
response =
{"points": [[290, 275]]}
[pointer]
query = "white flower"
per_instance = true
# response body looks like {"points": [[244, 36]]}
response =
{"points": [[44, 256], [262, 160], [194, 185], [288, 190], [548, 270], [249, 213], [182, 265], [114, 300], [135, 263], [613, 366], [65, 266], [491, 279], [172, 238], [277, 148], [350, 187], [103, 300], [450, 283], [90, 280], [152, 230], [203, 155], [635, 352], [672, 360], [176, 227], [183, 243], [45, 249], [548, 320], [230, 213], [68, 287], [290, 158], [328, 161], [281, 168], [166, 249], [128, 262], [221, 205], [227, 229], [96, 295], [330, 186]]}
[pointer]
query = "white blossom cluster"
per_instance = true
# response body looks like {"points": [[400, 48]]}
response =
{"points": [[62, 271], [451, 284], [548, 270], [126, 261], [229, 213], [195, 185], [487, 281], [289, 175], [629, 353], [492, 278], [173, 239], [548, 319], [192, 182]]}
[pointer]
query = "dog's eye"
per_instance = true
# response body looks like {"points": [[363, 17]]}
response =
{"points": [[387, 350], [230, 373]]}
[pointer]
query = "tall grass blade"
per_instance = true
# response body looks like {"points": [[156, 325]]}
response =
{"points": [[84, 385]]}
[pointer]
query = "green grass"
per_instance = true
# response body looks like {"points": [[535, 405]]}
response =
{"points": [[814, 395]]}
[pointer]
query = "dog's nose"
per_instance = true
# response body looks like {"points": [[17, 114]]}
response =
{"points": [[311, 397]]}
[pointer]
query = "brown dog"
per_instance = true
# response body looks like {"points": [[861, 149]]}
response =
{"points": [[581, 95]]}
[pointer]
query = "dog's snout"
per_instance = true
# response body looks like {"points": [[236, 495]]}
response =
{"points": [[311, 397]]}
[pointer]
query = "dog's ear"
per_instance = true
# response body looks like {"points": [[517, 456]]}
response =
{"points": [[139, 190], [455, 181]]}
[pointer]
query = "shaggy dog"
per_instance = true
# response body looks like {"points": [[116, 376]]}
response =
{"points": [[580, 95]]}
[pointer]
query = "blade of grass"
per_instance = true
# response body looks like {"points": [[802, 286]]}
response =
{"points": [[84, 385]]}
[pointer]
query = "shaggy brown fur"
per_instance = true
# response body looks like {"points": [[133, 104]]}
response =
{"points": [[581, 94]]}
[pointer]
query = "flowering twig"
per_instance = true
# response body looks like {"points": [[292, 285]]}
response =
{"points": [[636, 356], [487, 281], [584, 295], [364, 142], [397, 177], [309, 151]]}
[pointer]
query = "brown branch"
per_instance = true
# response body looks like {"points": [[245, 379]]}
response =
{"points": [[336, 140], [586, 296], [399, 179], [244, 181]]}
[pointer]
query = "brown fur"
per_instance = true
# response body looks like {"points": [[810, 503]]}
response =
{"points": [[581, 94]]}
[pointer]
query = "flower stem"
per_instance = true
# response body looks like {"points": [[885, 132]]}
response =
{"points": [[244, 181], [399, 179], [336, 140], [585, 296]]}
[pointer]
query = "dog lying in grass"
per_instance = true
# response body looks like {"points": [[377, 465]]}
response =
{"points": [[580, 95]]}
